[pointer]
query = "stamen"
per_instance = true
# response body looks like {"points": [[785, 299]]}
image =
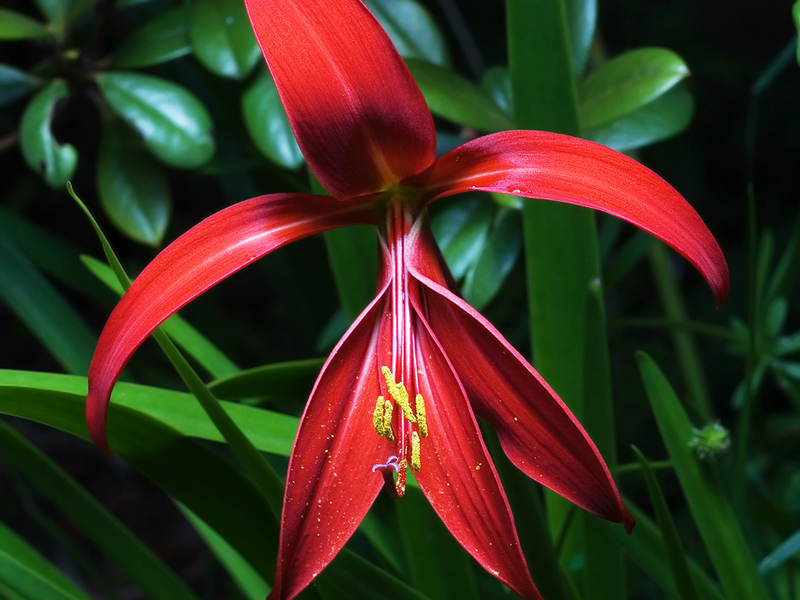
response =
{"points": [[377, 417], [400, 484], [421, 420], [391, 462], [415, 462], [387, 420], [399, 393]]}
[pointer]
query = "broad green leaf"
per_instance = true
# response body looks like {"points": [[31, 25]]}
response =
{"points": [[666, 116], [461, 230], [267, 123], [115, 540], [497, 83], [274, 381], [497, 257], [796, 16], [582, 22], [356, 578], [187, 337], [14, 84], [412, 30], [16, 26], [222, 37], [53, 161], [456, 99], [132, 186], [786, 550], [32, 568], [162, 39], [29, 584], [43, 309], [173, 123], [628, 82], [715, 519], [669, 533]]}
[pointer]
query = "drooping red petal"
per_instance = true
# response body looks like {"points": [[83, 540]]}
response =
{"points": [[355, 110], [330, 484], [209, 252], [537, 164], [537, 431], [457, 474]]}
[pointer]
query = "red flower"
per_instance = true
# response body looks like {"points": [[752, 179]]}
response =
{"points": [[403, 387]]}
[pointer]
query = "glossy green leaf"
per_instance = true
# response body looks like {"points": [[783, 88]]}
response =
{"points": [[14, 84], [187, 337], [17, 26], [497, 257], [222, 38], [461, 230], [21, 564], [628, 82], [413, 31], [456, 99], [275, 381], [162, 39], [669, 533], [42, 308], [582, 22], [666, 116], [115, 540], [173, 123], [53, 161], [497, 83], [267, 123], [132, 186], [715, 519]]}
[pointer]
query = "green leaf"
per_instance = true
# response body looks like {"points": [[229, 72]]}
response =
{"points": [[412, 30], [55, 11], [16, 26], [222, 37], [666, 116], [785, 550], [132, 186], [628, 82], [162, 39], [461, 230], [275, 381], [267, 123], [456, 99], [114, 539], [173, 123], [796, 16], [14, 84], [715, 519], [582, 22], [497, 257], [44, 311], [497, 83], [25, 570], [53, 161]]}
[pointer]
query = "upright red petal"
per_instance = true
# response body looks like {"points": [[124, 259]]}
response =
{"points": [[331, 484], [536, 164], [356, 112], [209, 252]]}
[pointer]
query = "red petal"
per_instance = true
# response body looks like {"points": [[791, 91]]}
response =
{"points": [[537, 431], [457, 474], [550, 166], [209, 252], [330, 484], [356, 112]]}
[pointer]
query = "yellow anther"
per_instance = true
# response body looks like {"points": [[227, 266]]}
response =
{"points": [[398, 393], [377, 416], [415, 463], [400, 484], [387, 420], [421, 420]]}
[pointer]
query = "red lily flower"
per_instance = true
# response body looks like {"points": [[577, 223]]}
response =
{"points": [[403, 387]]}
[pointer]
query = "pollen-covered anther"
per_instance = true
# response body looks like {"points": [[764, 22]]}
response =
{"points": [[415, 461], [422, 422], [387, 420], [377, 416], [400, 483], [399, 394]]}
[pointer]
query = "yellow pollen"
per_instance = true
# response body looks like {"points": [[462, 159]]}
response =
{"points": [[377, 416], [421, 420], [415, 462], [399, 394], [387, 420], [400, 484]]}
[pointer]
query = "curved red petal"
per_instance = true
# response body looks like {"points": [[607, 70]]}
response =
{"points": [[457, 474], [330, 484], [209, 252], [355, 110], [536, 164], [537, 431]]}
